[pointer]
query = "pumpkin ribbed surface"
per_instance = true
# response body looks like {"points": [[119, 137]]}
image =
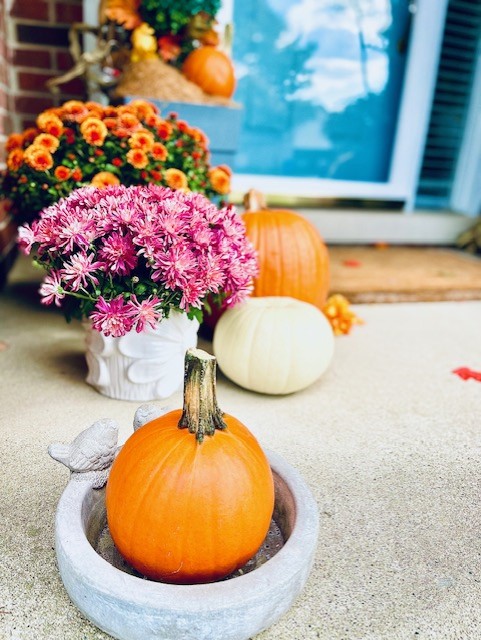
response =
{"points": [[293, 259], [186, 512], [273, 345]]}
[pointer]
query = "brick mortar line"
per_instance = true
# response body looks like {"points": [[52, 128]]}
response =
{"points": [[39, 71], [30, 22], [51, 11], [26, 93], [27, 46]]}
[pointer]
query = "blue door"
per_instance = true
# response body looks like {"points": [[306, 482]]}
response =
{"points": [[320, 82]]}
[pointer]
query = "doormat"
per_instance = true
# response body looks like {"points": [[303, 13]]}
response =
{"points": [[404, 274]]}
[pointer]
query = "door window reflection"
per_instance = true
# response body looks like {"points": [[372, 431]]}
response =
{"points": [[320, 82]]}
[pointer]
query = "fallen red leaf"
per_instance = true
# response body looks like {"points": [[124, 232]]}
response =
{"points": [[465, 373]]}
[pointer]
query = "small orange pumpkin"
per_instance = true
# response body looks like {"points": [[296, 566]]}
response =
{"points": [[190, 496], [293, 259], [212, 70]]}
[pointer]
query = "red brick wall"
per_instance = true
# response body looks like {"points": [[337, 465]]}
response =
{"points": [[5, 124], [38, 50], [33, 48]]}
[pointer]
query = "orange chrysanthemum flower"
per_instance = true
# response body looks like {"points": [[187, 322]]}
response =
{"points": [[122, 133], [15, 159], [62, 173], [125, 108], [95, 109], [47, 141], [220, 180], [137, 158], [14, 141], [77, 174], [110, 123], [199, 136], [93, 131], [152, 120], [164, 129], [104, 179], [142, 139], [176, 179], [75, 111], [50, 123], [226, 169], [182, 126], [29, 135], [38, 158], [110, 112], [78, 139], [159, 151], [128, 120], [143, 109]]}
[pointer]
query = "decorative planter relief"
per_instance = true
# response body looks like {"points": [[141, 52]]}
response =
{"points": [[141, 366]]}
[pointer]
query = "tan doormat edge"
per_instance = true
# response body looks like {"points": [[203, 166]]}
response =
{"points": [[370, 274]]}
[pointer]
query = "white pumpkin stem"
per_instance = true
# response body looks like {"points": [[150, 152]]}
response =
{"points": [[201, 414], [254, 200]]}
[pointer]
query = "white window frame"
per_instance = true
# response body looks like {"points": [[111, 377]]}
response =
{"points": [[412, 125], [466, 191]]}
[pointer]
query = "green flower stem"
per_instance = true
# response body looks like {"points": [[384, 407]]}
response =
{"points": [[80, 296]]}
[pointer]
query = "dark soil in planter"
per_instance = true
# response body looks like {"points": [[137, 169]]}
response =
{"points": [[273, 542]]}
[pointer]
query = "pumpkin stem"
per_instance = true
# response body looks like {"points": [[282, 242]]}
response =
{"points": [[254, 200], [201, 414]]}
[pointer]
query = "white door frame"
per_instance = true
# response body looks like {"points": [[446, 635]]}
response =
{"points": [[415, 108]]}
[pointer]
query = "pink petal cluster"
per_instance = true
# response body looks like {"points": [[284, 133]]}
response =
{"points": [[99, 245]]}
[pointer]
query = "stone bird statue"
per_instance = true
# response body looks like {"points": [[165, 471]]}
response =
{"points": [[148, 412], [91, 454]]}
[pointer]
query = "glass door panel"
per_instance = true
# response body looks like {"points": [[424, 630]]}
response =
{"points": [[320, 82]]}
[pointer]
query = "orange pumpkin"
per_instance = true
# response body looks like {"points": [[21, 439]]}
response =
{"points": [[212, 70], [190, 495], [293, 259]]}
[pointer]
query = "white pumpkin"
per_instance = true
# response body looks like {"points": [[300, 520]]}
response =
{"points": [[273, 345]]}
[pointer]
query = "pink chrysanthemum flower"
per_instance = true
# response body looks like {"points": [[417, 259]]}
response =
{"points": [[112, 318], [214, 272], [136, 253], [191, 295], [145, 313], [67, 228], [51, 289], [80, 269], [175, 267], [119, 253], [26, 238]]}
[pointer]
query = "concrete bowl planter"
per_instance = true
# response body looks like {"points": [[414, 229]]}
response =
{"points": [[134, 608]]}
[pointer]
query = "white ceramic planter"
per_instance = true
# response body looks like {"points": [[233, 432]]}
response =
{"points": [[132, 608], [141, 366]]}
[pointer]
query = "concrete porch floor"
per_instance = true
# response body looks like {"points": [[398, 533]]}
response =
{"points": [[388, 440]]}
